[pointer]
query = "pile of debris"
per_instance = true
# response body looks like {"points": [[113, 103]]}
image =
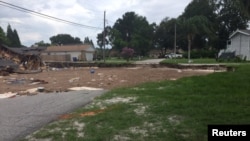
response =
{"points": [[6, 67], [20, 60], [37, 85]]}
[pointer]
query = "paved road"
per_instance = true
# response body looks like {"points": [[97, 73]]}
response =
{"points": [[23, 115], [149, 61]]}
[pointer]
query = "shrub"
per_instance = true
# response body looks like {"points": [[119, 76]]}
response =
{"points": [[231, 57], [196, 54], [127, 53]]}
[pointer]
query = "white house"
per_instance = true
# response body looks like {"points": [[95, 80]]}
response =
{"points": [[81, 52], [239, 43]]}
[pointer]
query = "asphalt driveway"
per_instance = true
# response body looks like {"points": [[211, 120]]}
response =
{"points": [[22, 115]]}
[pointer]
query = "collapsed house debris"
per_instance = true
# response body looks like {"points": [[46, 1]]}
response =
{"points": [[6, 67], [20, 60]]}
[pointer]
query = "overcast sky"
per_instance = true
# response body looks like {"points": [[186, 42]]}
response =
{"points": [[33, 28]]}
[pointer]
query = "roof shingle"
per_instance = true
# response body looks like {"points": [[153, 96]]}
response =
{"points": [[68, 48]]}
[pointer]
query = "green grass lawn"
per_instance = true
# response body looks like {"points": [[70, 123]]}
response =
{"points": [[169, 110], [121, 60], [201, 61], [194, 61]]}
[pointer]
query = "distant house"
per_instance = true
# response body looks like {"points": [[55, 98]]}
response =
{"points": [[239, 44], [155, 53], [81, 52]]}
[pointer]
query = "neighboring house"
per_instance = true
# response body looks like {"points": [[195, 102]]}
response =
{"points": [[81, 52], [239, 44], [114, 53], [155, 53]]}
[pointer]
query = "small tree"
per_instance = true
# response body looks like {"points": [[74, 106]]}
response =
{"points": [[127, 53]]}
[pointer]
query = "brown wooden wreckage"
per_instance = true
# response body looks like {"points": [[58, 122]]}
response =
{"points": [[20, 60]]}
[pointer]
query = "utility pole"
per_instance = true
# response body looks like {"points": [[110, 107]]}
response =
{"points": [[103, 41], [175, 38]]}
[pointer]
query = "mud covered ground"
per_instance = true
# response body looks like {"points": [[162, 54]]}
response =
{"points": [[57, 80]]}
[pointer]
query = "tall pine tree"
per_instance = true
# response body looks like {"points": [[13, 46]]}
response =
{"points": [[16, 41], [13, 37], [88, 41], [3, 38]]}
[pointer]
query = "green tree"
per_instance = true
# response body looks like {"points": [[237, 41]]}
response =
{"points": [[64, 39], [164, 35], [10, 33], [206, 9], [3, 38], [77, 40], [195, 26], [42, 44], [200, 8], [134, 31], [230, 17], [245, 5], [13, 37], [225, 17], [102, 41], [16, 41], [106, 38], [88, 41]]}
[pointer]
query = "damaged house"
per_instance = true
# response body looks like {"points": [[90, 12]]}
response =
{"points": [[21, 59]]}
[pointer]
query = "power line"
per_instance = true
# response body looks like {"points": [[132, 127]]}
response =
{"points": [[12, 6]]}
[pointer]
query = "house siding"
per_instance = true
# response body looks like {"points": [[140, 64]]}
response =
{"points": [[75, 55], [240, 43], [89, 56], [244, 50], [59, 58]]}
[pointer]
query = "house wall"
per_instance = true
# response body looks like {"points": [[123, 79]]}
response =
{"points": [[240, 43], [91, 49], [82, 56], [59, 58], [89, 56], [74, 55], [245, 47]]}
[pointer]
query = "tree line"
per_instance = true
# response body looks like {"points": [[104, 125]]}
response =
{"points": [[11, 38], [64, 39], [204, 25]]}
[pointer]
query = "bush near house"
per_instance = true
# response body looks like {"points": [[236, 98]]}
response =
{"points": [[230, 57], [201, 54]]}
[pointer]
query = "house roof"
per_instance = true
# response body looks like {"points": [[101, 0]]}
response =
{"points": [[24, 50], [69, 48], [245, 32]]}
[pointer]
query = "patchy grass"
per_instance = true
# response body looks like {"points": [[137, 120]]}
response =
{"points": [[173, 110]]}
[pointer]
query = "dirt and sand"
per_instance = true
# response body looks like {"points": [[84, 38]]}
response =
{"points": [[58, 80]]}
